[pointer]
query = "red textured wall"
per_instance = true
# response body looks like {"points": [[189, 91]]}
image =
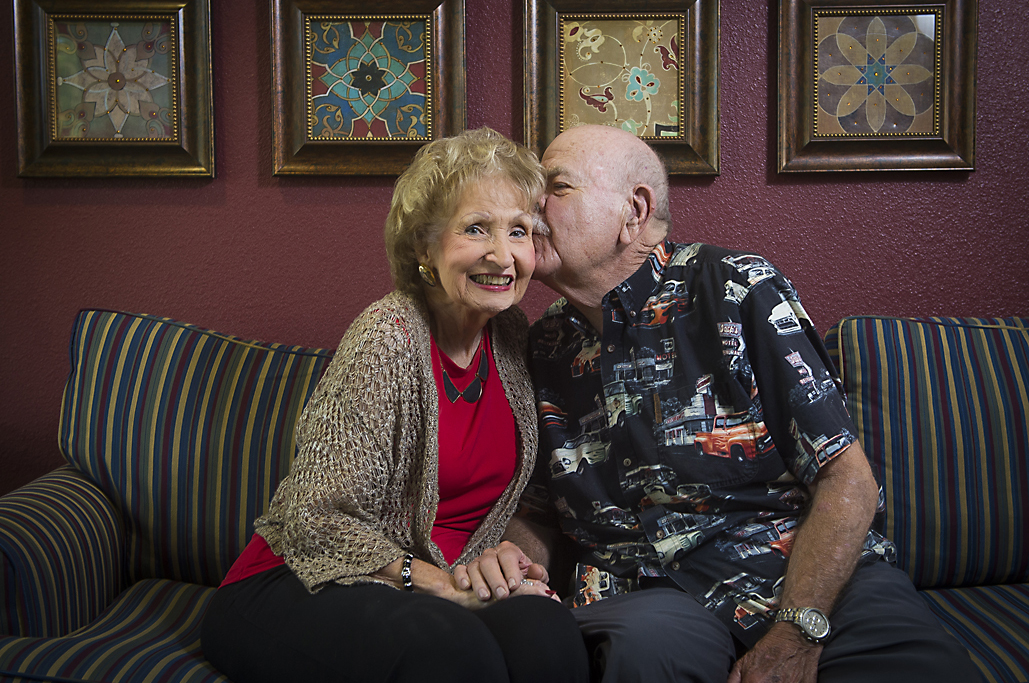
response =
{"points": [[294, 260]]}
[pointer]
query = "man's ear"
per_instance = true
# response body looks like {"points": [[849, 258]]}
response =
{"points": [[638, 211]]}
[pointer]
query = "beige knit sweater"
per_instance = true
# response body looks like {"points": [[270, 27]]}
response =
{"points": [[363, 489]]}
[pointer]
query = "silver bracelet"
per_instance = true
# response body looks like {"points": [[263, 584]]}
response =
{"points": [[405, 572]]}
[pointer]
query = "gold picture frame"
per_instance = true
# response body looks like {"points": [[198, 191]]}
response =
{"points": [[114, 88], [869, 86], [358, 92], [651, 68]]}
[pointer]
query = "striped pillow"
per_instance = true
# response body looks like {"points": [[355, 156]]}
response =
{"points": [[942, 408], [187, 430]]}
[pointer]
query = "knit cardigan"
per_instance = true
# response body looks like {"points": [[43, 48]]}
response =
{"points": [[363, 489]]}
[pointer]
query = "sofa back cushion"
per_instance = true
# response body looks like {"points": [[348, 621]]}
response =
{"points": [[942, 407], [187, 430]]}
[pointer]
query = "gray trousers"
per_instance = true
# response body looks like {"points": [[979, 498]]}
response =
{"points": [[882, 632]]}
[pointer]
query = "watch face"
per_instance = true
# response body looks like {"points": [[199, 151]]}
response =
{"points": [[815, 624]]}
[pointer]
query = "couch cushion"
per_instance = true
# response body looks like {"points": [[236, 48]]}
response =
{"points": [[187, 430], [120, 647], [942, 408], [992, 622]]}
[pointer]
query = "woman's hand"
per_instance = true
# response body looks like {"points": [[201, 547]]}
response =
{"points": [[534, 587], [430, 579], [499, 572]]}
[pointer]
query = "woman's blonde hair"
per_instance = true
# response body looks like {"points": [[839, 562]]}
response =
{"points": [[425, 195]]}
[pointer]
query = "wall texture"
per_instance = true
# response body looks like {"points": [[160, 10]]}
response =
{"points": [[294, 260]]}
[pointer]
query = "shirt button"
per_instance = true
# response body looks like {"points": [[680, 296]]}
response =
{"points": [[610, 348], [632, 314], [627, 462], [675, 566]]}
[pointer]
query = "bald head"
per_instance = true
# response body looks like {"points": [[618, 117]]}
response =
{"points": [[625, 160]]}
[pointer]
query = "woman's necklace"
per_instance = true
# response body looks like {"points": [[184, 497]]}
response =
{"points": [[474, 390]]}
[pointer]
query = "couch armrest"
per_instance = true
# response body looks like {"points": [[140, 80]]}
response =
{"points": [[61, 543]]}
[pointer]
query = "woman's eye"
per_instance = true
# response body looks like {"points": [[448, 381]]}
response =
{"points": [[519, 232], [475, 230]]}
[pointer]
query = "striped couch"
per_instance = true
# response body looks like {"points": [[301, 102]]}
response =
{"points": [[942, 408], [175, 438]]}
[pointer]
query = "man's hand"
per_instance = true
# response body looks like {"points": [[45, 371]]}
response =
{"points": [[499, 571], [783, 655]]}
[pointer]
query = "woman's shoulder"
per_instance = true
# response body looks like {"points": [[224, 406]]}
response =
{"points": [[396, 317]]}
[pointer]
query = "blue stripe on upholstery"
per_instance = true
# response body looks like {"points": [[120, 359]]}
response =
{"points": [[61, 541], [942, 408], [992, 622], [120, 646], [187, 430]]}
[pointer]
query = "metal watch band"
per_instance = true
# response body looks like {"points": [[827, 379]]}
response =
{"points": [[405, 572], [805, 619]]}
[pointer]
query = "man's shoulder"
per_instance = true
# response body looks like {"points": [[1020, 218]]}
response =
{"points": [[739, 270], [699, 254], [556, 312]]}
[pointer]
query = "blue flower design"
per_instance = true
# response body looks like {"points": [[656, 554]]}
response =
{"points": [[642, 84]]}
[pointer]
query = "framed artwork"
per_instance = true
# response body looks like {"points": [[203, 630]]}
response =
{"points": [[358, 92], [869, 86], [648, 67], [114, 88]]}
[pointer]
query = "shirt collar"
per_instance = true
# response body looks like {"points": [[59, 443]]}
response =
{"points": [[642, 284]]}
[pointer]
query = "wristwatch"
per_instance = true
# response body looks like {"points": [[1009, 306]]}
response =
{"points": [[811, 621]]}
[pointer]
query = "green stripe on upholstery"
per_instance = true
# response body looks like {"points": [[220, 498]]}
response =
{"points": [[942, 408], [151, 634], [992, 622], [187, 430], [61, 540]]}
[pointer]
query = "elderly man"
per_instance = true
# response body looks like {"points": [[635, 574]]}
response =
{"points": [[694, 445]]}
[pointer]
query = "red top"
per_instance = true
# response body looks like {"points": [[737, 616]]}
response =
{"points": [[477, 451], [477, 458]]}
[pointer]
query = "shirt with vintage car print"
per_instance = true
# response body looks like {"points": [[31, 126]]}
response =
{"points": [[679, 443]]}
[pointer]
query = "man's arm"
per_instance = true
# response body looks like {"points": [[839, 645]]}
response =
{"points": [[825, 553], [536, 541]]}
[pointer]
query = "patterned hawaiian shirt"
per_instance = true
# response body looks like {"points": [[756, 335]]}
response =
{"points": [[679, 442]]}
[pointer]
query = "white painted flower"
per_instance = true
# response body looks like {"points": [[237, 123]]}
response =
{"points": [[115, 81]]}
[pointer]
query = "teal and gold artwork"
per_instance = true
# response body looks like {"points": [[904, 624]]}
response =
{"points": [[369, 78]]}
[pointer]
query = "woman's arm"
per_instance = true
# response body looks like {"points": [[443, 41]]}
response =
{"points": [[355, 495]]}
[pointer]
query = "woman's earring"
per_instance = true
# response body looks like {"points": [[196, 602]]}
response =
{"points": [[427, 275]]}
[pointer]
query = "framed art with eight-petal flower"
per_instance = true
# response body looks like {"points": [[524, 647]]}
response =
{"points": [[358, 93], [650, 67], [868, 86], [114, 89]]}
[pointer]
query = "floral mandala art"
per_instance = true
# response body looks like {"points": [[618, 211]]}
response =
{"points": [[369, 79], [876, 74], [622, 71], [112, 80]]}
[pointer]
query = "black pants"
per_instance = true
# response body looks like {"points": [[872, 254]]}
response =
{"points": [[882, 632], [269, 628]]}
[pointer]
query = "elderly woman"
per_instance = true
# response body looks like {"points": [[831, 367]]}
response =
{"points": [[413, 451]]}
